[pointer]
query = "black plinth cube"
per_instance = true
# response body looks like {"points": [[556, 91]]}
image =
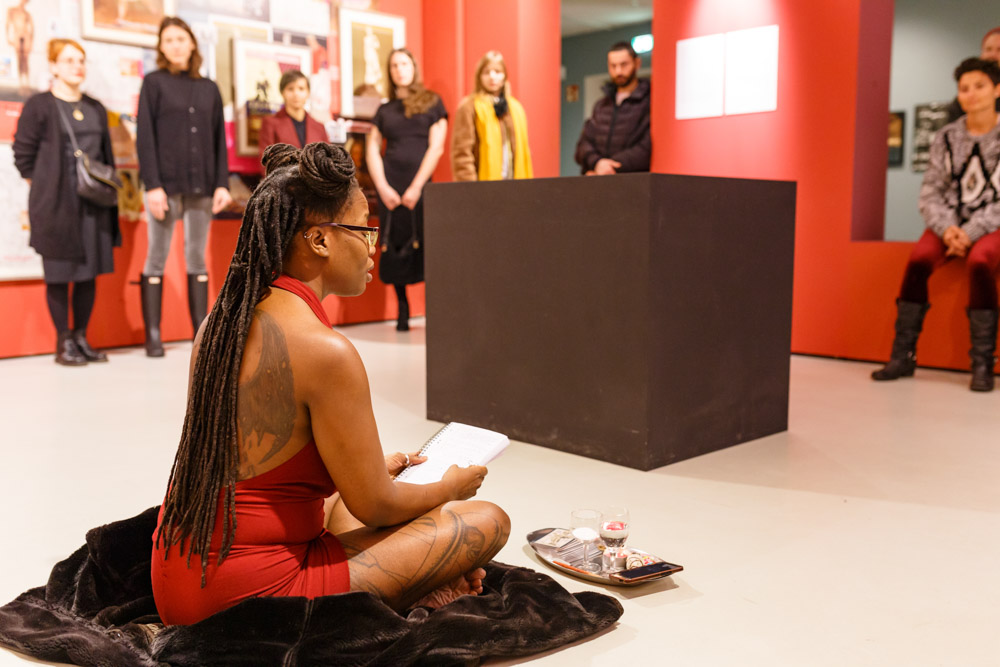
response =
{"points": [[640, 319]]}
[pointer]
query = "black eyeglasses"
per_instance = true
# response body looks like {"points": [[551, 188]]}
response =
{"points": [[370, 233]]}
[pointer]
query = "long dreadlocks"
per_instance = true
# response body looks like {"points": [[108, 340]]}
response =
{"points": [[319, 178]]}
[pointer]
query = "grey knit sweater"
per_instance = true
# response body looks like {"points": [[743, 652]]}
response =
{"points": [[962, 183]]}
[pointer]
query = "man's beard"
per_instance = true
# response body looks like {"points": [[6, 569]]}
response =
{"points": [[621, 81]]}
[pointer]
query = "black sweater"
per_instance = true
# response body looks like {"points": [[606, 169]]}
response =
{"points": [[54, 208], [181, 135]]}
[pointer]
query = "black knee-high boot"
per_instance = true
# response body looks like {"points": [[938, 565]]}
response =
{"points": [[903, 360], [983, 335], [197, 299], [403, 318], [151, 291]]}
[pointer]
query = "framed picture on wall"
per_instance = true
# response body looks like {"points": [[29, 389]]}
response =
{"points": [[927, 120], [257, 70], [132, 22], [897, 121], [366, 40]]}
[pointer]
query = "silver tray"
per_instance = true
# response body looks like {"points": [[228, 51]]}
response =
{"points": [[571, 554]]}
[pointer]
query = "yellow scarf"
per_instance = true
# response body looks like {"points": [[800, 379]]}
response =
{"points": [[491, 140]]}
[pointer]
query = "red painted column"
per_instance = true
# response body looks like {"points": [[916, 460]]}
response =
{"points": [[458, 32]]}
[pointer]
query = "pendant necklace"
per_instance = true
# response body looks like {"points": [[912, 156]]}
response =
{"points": [[77, 114]]}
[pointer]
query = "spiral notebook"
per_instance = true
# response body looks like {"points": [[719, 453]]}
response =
{"points": [[455, 444]]}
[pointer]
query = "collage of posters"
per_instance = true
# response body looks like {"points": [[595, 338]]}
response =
{"points": [[246, 45]]}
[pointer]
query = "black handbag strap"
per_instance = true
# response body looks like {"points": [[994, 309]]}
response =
{"points": [[69, 129], [388, 227]]}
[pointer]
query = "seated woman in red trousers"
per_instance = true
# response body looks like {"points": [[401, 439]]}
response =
{"points": [[292, 124], [960, 201]]}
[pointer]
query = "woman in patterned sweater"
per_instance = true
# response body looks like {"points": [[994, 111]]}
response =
{"points": [[960, 203]]}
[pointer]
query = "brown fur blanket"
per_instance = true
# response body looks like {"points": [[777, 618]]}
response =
{"points": [[97, 609]]}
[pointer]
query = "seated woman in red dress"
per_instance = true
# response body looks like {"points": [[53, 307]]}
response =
{"points": [[279, 416]]}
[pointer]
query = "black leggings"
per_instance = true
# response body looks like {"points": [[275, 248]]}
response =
{"points": [[58, 298], [401, 297]]}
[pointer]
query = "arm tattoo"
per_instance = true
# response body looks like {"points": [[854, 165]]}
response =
{"points": [[266, 401]]}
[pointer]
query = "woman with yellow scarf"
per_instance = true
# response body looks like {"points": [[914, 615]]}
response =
{"points": [[490, 139]]}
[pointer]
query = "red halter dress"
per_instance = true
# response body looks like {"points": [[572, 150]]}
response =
{"points": [[281, 547]]}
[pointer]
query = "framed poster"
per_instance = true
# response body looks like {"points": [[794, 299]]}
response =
{"points": [[927, 120], [132, 22], [257, 70], [897, 121], [218, 51], [24, 62], [17, 260], [366, 40], [255, 10]]}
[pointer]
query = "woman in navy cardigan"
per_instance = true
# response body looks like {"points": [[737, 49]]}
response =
{"points": [[291, 125]]}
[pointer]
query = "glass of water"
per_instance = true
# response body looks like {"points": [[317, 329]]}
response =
{"points": [[586, 527]]}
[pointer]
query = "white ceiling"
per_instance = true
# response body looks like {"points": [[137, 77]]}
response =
{"points": [[582, 16]]}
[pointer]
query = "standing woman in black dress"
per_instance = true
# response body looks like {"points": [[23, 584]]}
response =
{"points": [[182, 162], [414, 124], [73, 236]]}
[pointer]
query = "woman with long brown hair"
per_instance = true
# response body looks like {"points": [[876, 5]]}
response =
{"points": [[181, 141], [413, 125], [279, 416]]}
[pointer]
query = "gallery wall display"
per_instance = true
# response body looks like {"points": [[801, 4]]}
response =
{"points": [[257, 10], [897, 122], [257, 70], [220, 32], [17, 260], [134, 22], [366, 40], [927, 120], [27, 28]]}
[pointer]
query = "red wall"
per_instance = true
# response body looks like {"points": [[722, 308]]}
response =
{"points": [[824, 135], [527, 33]]}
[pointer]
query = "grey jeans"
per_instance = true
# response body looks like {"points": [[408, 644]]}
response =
{"points": [[197, 214]]}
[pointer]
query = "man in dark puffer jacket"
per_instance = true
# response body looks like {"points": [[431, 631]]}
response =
{"points": [[615, 138]]}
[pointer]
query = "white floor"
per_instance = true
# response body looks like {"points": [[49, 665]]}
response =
{"points": [[868, 534]]}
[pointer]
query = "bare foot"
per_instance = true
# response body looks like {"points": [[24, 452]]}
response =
{"points": [[470, 583]]}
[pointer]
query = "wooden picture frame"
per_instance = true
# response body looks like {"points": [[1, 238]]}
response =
{"points": [[366, 40], [131, 22], [257, 70]]}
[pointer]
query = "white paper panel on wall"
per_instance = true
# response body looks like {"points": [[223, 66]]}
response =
{"points": [[727, 73], [752, 70], [700, 77]]}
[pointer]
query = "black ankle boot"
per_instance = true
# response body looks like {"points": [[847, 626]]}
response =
{"points": [[151, 291], [983, 335], [67, 353], [89, 353], [197, 299], [903, 359]]}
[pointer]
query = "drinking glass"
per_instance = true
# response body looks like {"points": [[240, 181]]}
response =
{"points": [[614, 532], [586, 526]]}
